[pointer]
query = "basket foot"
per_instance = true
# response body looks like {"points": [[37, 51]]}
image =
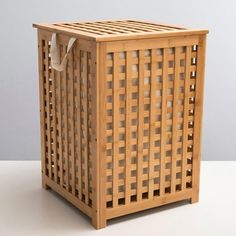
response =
{"points": [[98, 224], [44, 185], [194, 199]]}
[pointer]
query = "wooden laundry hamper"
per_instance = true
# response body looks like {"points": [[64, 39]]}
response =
{"points": [[121, 114]]}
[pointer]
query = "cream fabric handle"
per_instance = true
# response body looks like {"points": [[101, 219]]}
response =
{"points": [[55, 53]]}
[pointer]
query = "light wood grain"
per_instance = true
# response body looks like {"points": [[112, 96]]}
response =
{"points": [[121, 125]]}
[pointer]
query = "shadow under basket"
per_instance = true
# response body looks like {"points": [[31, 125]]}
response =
{"points": [[121, 114]]}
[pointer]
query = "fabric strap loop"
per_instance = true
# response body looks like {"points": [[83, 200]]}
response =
{"points": [[55, 53]]}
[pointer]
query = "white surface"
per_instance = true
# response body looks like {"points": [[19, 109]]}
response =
{"points": [[27, 209]]}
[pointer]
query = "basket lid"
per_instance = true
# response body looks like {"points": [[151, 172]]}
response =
{"points": [[111, 30]]}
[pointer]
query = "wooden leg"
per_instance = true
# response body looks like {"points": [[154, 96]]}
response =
{"points": [[44, 185], [195, 198], [98, 224]]}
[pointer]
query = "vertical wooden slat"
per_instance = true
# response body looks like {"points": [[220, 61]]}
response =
{"points": [[115, 128], [42, 105], [85, 123], [54, 125], [152, 127], [59, 78], [48, 111], [90, 133], [71, 111], [163, 121], [127, 127], [198, 117], [52, 114], [175, 119], [186, 115], [78, 121], [140, 125], [65, 121]]}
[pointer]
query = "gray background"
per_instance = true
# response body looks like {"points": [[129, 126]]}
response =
{"points": [[19, 109]]}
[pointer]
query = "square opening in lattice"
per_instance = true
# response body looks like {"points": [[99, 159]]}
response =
{"points": [[145, 195], [145, 158], [122, 55], [147, 53], [135, 54], [179, 163], [167, 190], [178, 187], [158, 117], [122, 69], [109, 70], [146, 107], [133, 185], [121, 162], [159, 79], [159, 51], [121, 188], [146, 93], [159, 65], [135, 68], [171, 64], [121, 175], [189, 185], [156, 192], [133, 198], [109, 56], [157, 130], [157, 168], [178, 175], [109, 204], [122, 83], [189, 172], [134, 135], [147, 66], [157, 155], [109, 85], [121, 201], [133, 173], [156, 180], [189, 160], [134, 81]]}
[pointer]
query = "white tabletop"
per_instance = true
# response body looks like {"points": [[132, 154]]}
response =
{"points": [[27, 209]]}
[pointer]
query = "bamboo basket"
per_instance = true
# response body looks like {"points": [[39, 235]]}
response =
{"points": [[121, 113]]}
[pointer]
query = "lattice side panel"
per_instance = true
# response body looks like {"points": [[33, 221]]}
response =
{"points": [[67, 121], [149, 123]]}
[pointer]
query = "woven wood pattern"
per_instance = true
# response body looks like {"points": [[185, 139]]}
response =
{"points": [[149, 123], [121, 125], [67, 113]]}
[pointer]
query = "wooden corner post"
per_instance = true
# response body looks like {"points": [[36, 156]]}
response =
{"points": [[198, 117], [99, 217]]}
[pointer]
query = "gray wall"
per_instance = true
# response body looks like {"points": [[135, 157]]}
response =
{"points": [[19, 110]]}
